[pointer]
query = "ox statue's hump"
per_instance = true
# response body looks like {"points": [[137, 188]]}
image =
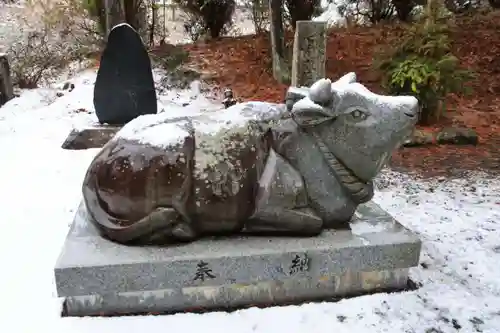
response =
{"points": [[164, 130]]}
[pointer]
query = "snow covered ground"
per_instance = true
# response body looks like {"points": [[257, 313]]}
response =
{"points": [[458, 220]]}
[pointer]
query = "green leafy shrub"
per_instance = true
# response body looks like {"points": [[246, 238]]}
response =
{"points": [[422, 65], [172, 60], [404, 9], [173, 57], [207, 17], [301, 10], [494, 3]]}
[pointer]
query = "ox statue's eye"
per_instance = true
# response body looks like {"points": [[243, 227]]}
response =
{"points": [[358, 115]]}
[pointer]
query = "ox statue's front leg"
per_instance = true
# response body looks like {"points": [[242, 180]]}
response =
{"points": [[281, 202]]}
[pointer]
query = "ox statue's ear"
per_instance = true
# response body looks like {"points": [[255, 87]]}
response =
{"points": [[324, 93], [293, 95], [321, 92], [306, 113], [345, 80]]}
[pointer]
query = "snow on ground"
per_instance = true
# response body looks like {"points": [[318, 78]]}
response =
{"points": [[458, 220]]}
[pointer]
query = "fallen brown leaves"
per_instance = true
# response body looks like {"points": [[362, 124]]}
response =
{"points": [[240, 63], [244, 64]]}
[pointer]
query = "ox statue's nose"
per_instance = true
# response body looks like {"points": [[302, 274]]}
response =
{"points": [[411, 107], [410, 114]]}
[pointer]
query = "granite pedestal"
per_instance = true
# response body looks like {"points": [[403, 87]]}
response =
{"points": [[99, 277], [92, 137]]}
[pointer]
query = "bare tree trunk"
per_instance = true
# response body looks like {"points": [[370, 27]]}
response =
{"points": [[115, 13], [154, 22], [432, 11], [280, 67], [133, 13], [100, 12], [136, 14]]}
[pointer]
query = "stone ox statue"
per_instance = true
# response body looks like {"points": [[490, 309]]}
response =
{"points": [[258, 168]]}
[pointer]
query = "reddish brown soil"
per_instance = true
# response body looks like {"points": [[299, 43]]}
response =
{"points": [[244, 64]]}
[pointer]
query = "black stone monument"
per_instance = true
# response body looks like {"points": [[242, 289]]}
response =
{"points": [[124, 88], [6, 88]]}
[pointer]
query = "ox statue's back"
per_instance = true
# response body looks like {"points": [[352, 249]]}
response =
{"points": [[259, 168]]}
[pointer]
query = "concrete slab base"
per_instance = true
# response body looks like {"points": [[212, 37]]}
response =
{"points": [[92, 137], [99, 277]]}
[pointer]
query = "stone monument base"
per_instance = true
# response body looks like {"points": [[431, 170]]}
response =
{"points": [[92, 137], [99, 277]]}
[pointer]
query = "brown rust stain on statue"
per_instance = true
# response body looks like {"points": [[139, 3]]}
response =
{"points": [[129, 180]]}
